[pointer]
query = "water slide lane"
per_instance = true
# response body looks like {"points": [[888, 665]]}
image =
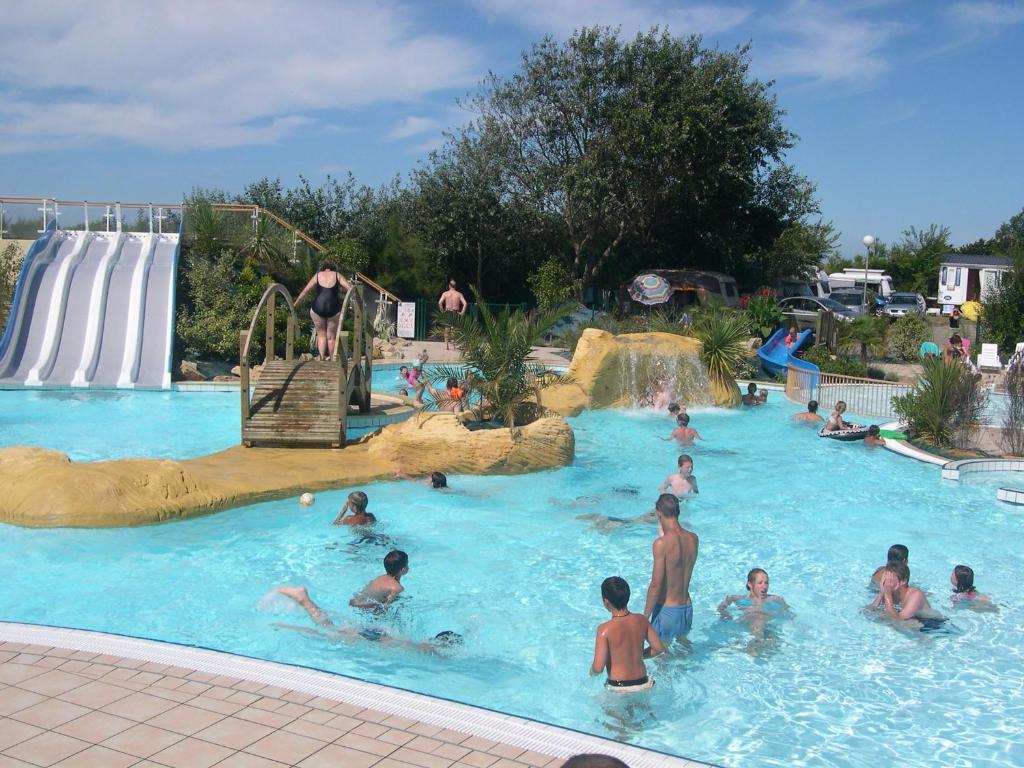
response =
{"points": [[96, 310], [774, 354], [137, 306], [115, 318], [73, 340], [157, 322], [28, 265], [33, 310]]}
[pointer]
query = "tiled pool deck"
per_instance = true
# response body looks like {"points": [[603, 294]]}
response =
{"points": [[78, 699]]}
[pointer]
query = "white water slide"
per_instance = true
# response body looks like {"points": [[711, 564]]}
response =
{"points": [[93, 309]]}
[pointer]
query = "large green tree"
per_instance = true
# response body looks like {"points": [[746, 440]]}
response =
{"points": [[625, 141]]}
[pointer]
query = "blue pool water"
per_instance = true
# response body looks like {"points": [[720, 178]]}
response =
{"points": [[116, 424], [507, 562]]}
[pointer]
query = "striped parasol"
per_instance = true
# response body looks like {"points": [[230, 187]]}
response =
{"points": [[650, 289]]}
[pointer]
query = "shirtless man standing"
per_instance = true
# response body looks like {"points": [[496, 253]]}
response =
{"points": [[619, 645], [811, 414], [681, 482], [451, 301], [675, 551]]}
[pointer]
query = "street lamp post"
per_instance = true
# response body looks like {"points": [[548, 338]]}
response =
{"points": [[868, 241]]}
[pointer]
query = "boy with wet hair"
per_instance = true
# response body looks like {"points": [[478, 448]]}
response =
{"points": [[675, 552], [898, 553], [752, 398], [356, 504], [874, 436], [895, 589], [682, 432], [375, 596], [682, 482], [619, 647]]}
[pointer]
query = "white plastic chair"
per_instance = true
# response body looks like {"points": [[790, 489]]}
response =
{"points": [[989, 357]]}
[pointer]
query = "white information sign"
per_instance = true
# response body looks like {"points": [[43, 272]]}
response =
{"points": [[406, 319]]}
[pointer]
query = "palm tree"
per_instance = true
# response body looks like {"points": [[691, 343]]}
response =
{"points": [[724, 335], [494, 351], [866, 332]]}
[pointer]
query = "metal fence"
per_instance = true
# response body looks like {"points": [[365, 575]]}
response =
{"points": [[863, 397]]}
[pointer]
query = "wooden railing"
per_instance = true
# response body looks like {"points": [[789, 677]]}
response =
{"points": [[245, 339], [355, 381], [863, 397]]}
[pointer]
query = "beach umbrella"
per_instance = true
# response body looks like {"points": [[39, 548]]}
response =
{"points": [[650, 289]]}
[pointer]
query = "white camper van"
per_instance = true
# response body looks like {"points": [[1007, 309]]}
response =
{"points": [[851, 277], [816, 286], [966, 277]]}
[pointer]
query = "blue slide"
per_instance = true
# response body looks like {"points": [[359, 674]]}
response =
{"points": [[774, 353]]}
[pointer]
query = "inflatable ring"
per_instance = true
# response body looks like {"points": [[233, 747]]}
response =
{"points": [[852, 432]]}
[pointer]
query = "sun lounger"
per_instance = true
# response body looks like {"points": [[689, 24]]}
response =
{"points": [[989, 357]]}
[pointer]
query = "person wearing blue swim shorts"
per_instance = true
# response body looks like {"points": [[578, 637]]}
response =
{"points": [[669, 606]]}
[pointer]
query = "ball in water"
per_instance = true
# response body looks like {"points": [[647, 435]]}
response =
{"points": [[306, 499]]}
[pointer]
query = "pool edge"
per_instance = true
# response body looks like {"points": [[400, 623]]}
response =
{"points": [[529, 735]]}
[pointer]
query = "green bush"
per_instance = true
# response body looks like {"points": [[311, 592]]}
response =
{"points": [[552, 285], [945, 404], [907, 335], [841, 366], [10, 265], [1002, 313], [764, 316]]}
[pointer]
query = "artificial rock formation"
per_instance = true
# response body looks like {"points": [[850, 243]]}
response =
{"points": [[441, 441], [44, 488], [609, 371]]}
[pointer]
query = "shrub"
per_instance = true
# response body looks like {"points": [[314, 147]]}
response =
{"points": [[552, 285], [866, 333], [944, 405], [10, 265], [1002, 316], [841, 366], [1013, 419], [764, 315], [907, 335], [724, 336]]}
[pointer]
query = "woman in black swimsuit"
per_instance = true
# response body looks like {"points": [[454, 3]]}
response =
{"points": [[326, 309]]}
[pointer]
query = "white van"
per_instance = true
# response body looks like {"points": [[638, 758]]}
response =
{"points": [[851, 277]]}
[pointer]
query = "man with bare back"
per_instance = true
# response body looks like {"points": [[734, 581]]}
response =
{"points": [[675, 551], [451, 301]]}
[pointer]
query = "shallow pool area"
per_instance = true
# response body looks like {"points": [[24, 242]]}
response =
{"points": [[92, 425], [508, 562]]}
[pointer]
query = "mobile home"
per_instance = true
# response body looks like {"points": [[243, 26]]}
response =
{"points": [[851, 277], [816, 286], [968, 277]]}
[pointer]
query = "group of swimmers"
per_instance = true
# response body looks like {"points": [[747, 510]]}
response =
{"points": [[414, 379]]}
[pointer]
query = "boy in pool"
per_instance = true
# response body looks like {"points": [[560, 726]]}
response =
{"points": [[683, 433], [874, 437], [668, 605], [898, 553], [681, 482], [435, 480], [895, 589], [379, 593], [811, 414], [619, 647], [356, 504]]}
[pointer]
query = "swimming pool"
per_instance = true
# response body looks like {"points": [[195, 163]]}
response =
{"points": [[115, 424], [506, 561]]}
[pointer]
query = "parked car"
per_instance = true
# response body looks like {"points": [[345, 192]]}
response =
{"points": [[904, 304], [854, 300], [804, 310]]}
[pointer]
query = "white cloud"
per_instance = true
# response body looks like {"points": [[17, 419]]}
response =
{"points": [[825, 43], [988, 14], [563, 17], [412, 126], [210, 75]]}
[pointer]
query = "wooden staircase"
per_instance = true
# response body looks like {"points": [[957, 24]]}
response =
{"points": [[305, 403], [295, 403]]}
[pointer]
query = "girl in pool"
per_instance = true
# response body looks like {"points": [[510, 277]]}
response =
{"points": [[962, 580], [757, 598], [835, 421]]}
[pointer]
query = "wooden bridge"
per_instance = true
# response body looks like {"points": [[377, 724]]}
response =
{"points": [[306, 403]]}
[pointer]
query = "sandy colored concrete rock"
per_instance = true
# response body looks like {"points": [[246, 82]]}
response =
{"points": [[44, 488], [607, 370], [433, 441]]}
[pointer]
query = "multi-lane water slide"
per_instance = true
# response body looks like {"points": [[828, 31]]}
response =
{"points": [[93, 309]]}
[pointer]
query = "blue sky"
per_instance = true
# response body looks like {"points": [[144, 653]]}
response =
{"points": [[909, 112]]}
